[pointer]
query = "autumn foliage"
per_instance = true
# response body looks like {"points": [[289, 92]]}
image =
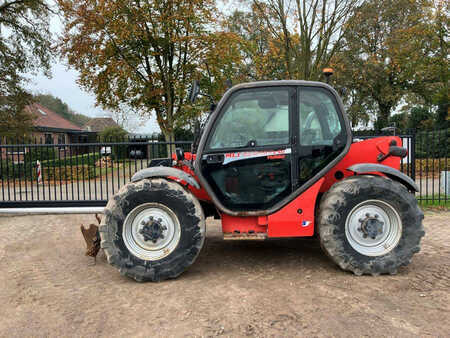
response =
{"points": [[143, 53]]}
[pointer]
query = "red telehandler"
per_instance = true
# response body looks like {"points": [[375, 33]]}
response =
{"points": [[274, 159]]}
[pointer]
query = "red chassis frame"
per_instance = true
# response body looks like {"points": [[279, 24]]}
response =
{"points": [[297, 218]]}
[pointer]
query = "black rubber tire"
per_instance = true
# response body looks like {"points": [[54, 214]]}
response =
{"points": [[188, 211], [337, 203]]}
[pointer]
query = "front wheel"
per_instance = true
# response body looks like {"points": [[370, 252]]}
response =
{"points": [[370, 225], [152, 230]]}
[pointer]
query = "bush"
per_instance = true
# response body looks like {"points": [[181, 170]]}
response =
{"points": [[28, 169], [113, 134], [88, 159], [41, 154], [11, 170]]}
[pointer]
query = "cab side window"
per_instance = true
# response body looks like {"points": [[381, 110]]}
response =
{"points": [[319, 119]]}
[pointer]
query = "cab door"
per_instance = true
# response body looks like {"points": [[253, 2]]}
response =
{"points": [[322, 132], [248, 159]]}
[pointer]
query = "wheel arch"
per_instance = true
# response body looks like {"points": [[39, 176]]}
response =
{"points": [[165, 172], [393, 174]]}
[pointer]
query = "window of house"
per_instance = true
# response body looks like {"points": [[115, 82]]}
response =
{"points": [[61, 138], [48, 138]]}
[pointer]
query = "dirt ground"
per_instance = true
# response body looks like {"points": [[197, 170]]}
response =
{"points": [[271, 288]]}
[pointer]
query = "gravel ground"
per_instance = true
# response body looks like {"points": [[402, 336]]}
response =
{"points": [[271, 288]]}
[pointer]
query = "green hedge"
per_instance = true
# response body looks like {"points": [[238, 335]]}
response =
{"points": [[27, 169], [89, 159], [41, 153], [10, 170]]}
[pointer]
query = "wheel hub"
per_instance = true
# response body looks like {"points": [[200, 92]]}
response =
{"points": [[152, 229], [371, 226]]}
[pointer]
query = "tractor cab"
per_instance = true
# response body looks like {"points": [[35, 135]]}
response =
{"points": [[266, 141]]}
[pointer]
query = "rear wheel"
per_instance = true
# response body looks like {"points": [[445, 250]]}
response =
{"points": [[152, 230], [370, 225]]}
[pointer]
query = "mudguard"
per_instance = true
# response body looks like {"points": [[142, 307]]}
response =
{"points": [[165, 172], [394, 174]]}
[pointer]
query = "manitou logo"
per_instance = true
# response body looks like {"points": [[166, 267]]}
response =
{"points": [[245, 155]]}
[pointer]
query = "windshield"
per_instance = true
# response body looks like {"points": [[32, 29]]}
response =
{"points": [[253, 117]]}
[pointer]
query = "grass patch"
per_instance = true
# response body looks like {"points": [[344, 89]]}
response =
{"points": [[427, 202]]}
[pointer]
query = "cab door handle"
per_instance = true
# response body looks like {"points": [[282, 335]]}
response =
{"points": [[215, 159]]}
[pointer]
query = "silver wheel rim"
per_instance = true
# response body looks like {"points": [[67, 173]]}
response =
{"points": [[151, 231], [373, 228]]}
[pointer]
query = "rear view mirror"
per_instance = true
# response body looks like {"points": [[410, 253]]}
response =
{"points": [[194, 91]]}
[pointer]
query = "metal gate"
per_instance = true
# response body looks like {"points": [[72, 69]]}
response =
{"points": [[35, 174]]}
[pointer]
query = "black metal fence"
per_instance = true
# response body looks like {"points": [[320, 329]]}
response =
{"points": [[427, 162], [88, 173], [36, 174]]}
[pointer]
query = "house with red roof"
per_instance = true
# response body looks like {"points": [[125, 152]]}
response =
{"points": [[49, 128]]}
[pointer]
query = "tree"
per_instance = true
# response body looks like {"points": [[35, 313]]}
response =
{"points": [[432, 82], [14, 120], [25, 45], [382, 48], [112, 134], [260, 57], [298, 38], [441, 24], [138, 53]]}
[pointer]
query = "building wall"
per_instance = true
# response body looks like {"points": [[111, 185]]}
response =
{"points": [[17, 155], [41, 137]]}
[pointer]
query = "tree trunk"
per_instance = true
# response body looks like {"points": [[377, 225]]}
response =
{"points": [[383, 116], [169, 136]]}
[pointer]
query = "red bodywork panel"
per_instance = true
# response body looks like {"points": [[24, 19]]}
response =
{"points": [[201, 193], [363, 152], [288, 222]]}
